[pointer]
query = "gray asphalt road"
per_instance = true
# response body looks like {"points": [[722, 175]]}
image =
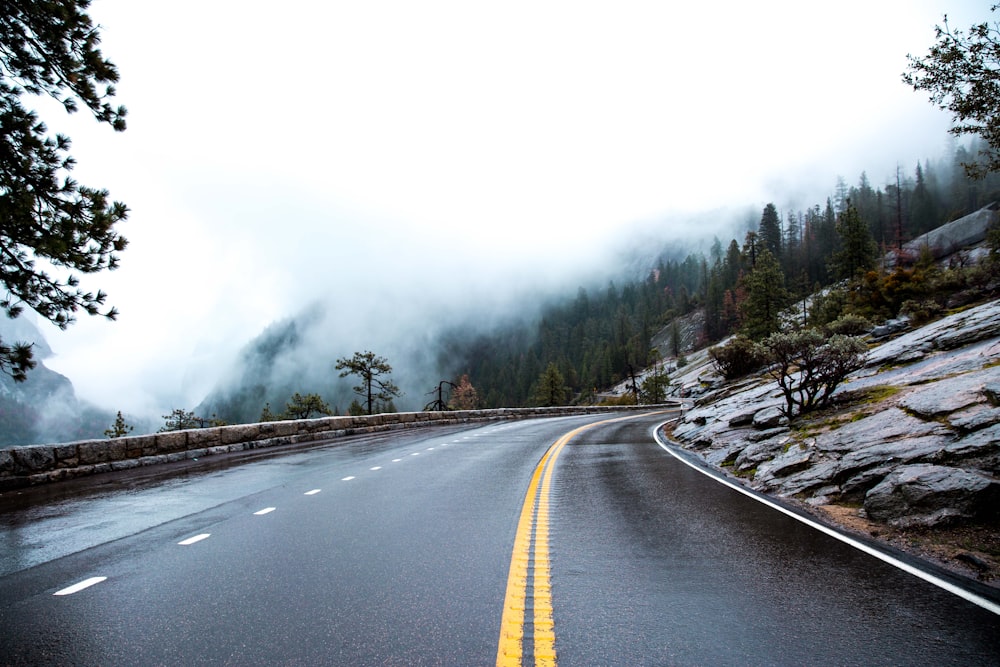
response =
{"points": [[396, 550]]}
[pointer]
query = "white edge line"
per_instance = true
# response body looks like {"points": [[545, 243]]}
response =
{"points": [[266, 510], [861, 546], [76, 588], [192, 540]]}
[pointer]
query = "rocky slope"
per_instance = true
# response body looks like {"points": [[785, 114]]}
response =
{"points": [[909, 452]]}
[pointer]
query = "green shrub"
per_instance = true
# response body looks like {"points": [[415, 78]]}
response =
{"points": [[828, 307], [921, 311], [739, 357], [809, 366], [849, 325]]}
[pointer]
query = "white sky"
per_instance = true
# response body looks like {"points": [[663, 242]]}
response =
{"points": [[379, 151]]}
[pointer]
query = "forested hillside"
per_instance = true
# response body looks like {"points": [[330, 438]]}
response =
{"points": [[578, 344], [597, 337]]}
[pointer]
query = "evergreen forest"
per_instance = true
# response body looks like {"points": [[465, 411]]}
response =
{"points": [[602, 336]]}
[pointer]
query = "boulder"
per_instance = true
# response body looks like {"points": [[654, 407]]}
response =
{"points": [[975, 417], [930, 495], [796, 458], [992, 392], [959, 329], [815, 476], [951, 394], [769, 417], [824, 496], [939, 398], [759, 452], [924, 449], [882, 427], [981, 448], [951, 237], [744, 418], [701, 441], [854, 488], [718, 457], [974, 331], [759, 436], [891, 327]]}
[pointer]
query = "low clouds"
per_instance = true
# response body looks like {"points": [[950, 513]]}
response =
{"points": [[395, 159]]}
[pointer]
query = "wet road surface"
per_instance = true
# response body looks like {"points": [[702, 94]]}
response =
{"points": [[396, 549]]}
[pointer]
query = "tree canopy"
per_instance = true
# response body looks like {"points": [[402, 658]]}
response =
{"points": [[857, 250], [766, 297], [47, 219], [303, 407], [551, 388], [179, 419], [962, 74], [376, 387]]}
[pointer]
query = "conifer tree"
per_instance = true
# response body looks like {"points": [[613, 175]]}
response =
{"points": [[769, 231], [792, 260], [303, 406], [464, 396], [179, 419], [551, 389], [924, 216], [654, 386], [375, 387], [266, 415], [120, 428], [733, 265], [858, 249], [53, 227], [766, 296]]}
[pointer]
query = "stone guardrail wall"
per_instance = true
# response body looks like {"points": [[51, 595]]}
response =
{"points": [[40, 464]]}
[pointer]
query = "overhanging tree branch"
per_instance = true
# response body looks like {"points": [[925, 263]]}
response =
{"points": [[961, 74], [51, 48]]}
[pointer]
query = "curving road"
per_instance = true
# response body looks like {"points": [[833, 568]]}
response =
{"points": [[576, 541]]}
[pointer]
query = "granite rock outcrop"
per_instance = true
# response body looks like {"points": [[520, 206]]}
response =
{"points": [[913, 437]]}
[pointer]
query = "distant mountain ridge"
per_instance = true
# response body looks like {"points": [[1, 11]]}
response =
{"points": [[44, 408], [269, 371]]}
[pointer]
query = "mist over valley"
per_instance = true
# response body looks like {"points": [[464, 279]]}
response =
{"points": [[460, 207]]}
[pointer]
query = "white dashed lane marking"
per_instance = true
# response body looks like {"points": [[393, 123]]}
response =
{"points": [[87, 583], [76, 588]]}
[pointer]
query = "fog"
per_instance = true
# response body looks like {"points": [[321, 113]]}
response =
{"points": [[414, 164]]}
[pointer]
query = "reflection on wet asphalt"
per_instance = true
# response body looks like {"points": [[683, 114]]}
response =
{"points": [[47, 522], [654, 563]]}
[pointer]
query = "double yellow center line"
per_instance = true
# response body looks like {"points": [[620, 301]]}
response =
{"points": [[528, 584]]}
